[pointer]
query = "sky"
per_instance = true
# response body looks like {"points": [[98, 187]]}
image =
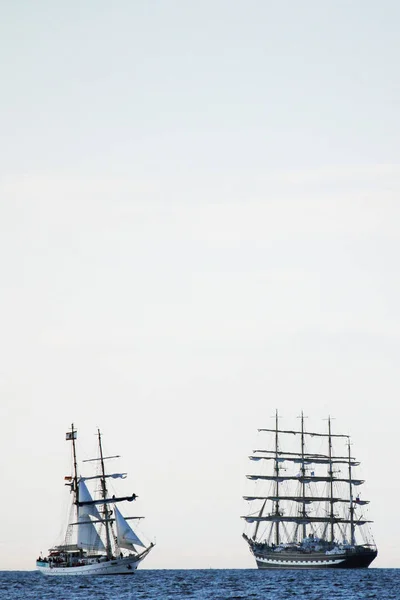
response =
{"points": [[199, 224]]}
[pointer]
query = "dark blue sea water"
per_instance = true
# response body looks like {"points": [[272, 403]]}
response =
{"points": [[383, 584]]}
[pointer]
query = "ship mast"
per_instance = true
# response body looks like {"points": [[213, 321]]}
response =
{"points": [[104, 496], [303, 474], [330, 473], [72, 436], [352, 526], [277, 479]]}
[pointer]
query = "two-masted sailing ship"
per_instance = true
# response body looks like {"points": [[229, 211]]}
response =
{"points": [[307, 511], [98, 539]]}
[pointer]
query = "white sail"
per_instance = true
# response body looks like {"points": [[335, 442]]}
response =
{"points": [[88, 538], [85, 496], [126, 537]]}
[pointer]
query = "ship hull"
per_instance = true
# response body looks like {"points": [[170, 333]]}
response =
{"points": [[316, 560], [120, 566]]}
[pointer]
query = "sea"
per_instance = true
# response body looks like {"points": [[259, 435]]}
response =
{"points": [[210, 584]]}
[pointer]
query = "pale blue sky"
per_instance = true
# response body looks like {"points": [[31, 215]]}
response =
{"points": [[199, 223], [156, 87]]}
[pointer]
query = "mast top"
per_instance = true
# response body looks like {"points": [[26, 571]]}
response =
{"points": [[71, 435]]}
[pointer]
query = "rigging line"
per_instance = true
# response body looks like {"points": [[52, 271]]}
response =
{"points": [[285, 530]]}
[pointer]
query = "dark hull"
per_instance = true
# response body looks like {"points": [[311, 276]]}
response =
{"points": [[358, 559]]}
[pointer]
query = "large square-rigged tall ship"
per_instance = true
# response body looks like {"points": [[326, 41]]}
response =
{"points": [[307, 512], [98, 539]]}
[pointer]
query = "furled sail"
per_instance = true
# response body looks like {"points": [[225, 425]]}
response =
{"points": [[305, 460], [113, 475], [299, 520], [305, 479], [301, 499], [126, 537]]}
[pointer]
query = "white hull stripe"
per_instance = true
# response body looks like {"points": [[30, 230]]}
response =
{"points": [[299, 563]]}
